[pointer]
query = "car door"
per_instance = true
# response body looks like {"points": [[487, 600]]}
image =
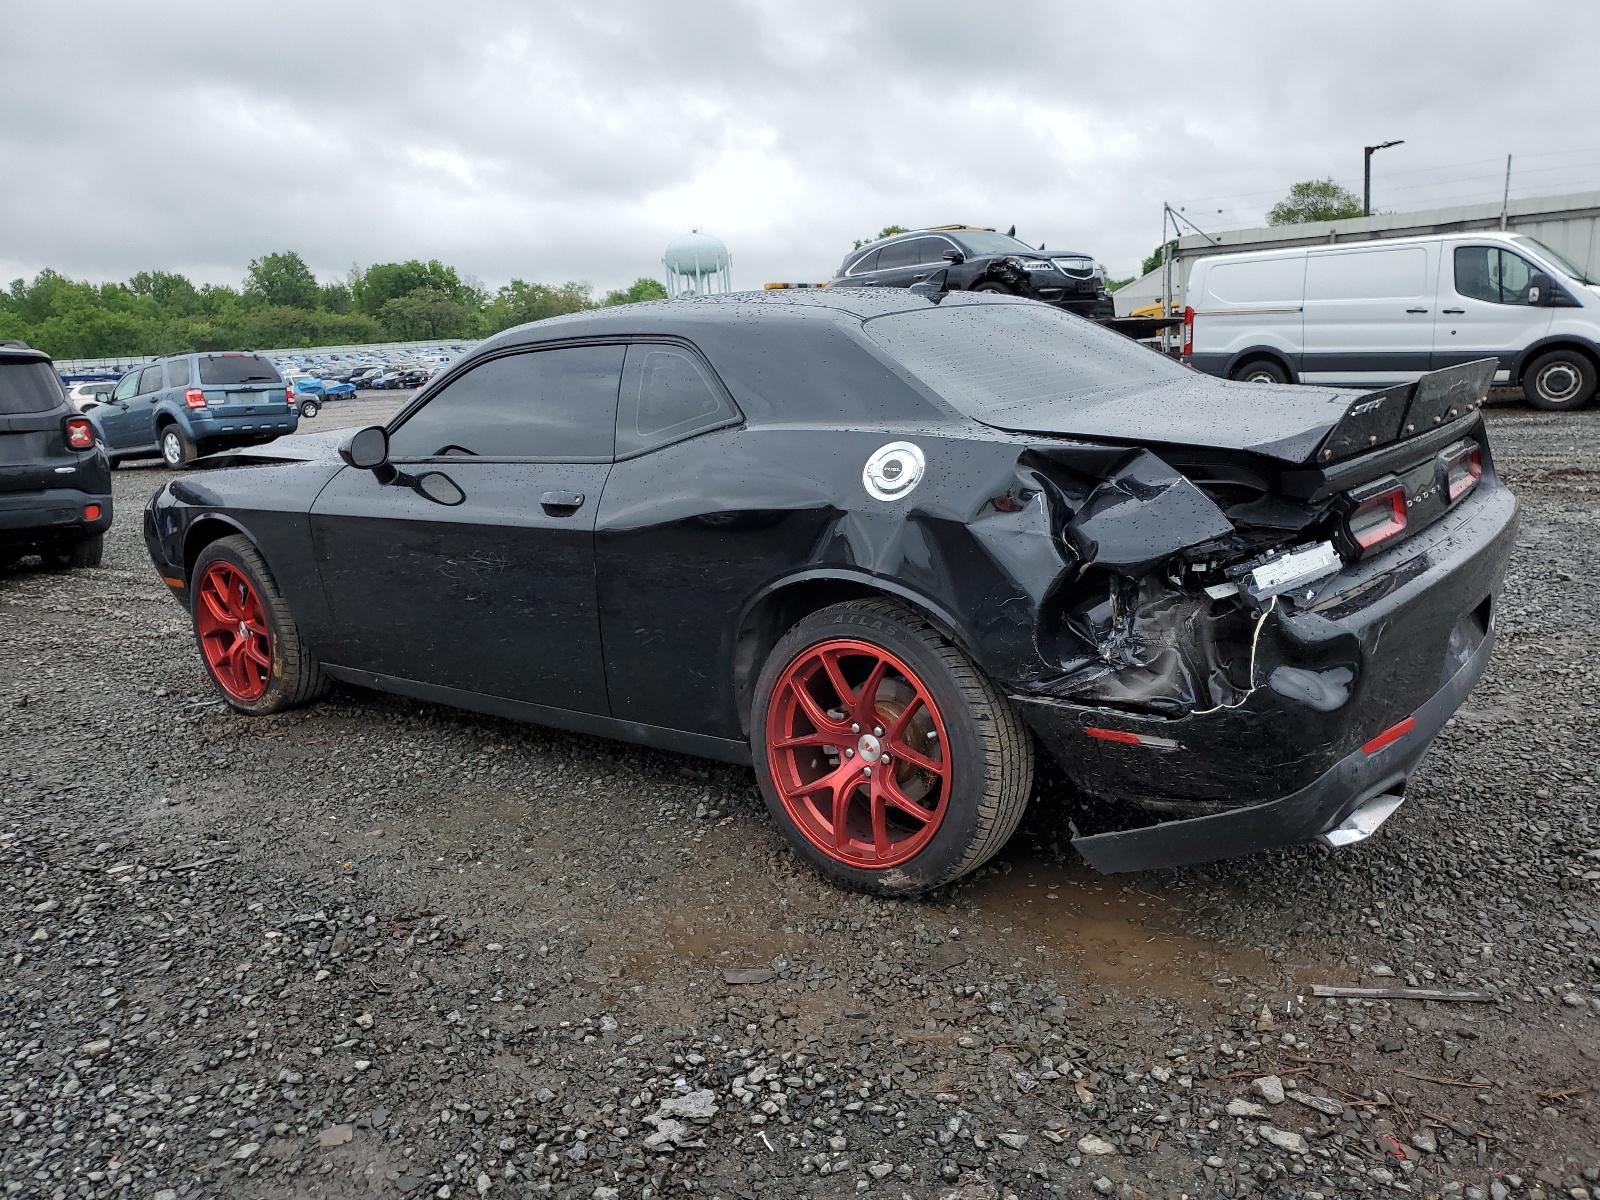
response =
{"points": [[1369, 313], [1484, 309], [113, 416], [470, 565], [134, 424], [898, 263]]}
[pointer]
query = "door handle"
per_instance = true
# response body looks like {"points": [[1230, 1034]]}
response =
{"points": [[1416, 310], [1454, 312], [561, 504]]}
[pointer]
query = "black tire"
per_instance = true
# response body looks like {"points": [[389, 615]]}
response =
{"points": [[295, 677], [989, 749], [1560, 381], [177, 450], [990, 285], [1261, 370], [86, 553], [309, 409]]}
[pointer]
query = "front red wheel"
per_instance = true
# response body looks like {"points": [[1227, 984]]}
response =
{"points": [[248, 639], [887, 758], [857, 751], [232, 628]]}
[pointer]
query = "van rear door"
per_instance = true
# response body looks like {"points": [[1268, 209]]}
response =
{"points": [[1369, 313]]}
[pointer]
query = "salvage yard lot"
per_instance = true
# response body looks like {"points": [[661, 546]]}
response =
{"points": [[377, 946]]}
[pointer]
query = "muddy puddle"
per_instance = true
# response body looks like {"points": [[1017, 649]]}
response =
{"points": [[1111, 932]]}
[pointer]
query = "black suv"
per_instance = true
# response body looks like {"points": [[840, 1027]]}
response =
{"points": [[55, 483], [981, 260]]}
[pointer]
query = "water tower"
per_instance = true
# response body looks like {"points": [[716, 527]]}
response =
{"points": [[697, 265]]}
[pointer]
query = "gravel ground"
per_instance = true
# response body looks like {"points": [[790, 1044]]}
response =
{"points": [[378, 946]]}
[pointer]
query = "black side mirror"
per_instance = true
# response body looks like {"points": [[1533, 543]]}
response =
{"points": [[954, 256], [367, 448], [1541, 289]]}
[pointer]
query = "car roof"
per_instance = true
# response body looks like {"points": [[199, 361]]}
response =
{"points": [[656, 317], [13, 349]]}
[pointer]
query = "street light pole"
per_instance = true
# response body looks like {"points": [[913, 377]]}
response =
{"points": [[1366, 174]]}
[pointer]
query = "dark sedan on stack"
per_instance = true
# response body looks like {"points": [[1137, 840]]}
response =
{"points": [[981, 260], [874, 542]]}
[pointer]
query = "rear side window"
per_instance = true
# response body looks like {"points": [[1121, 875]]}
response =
{"points": [[28, 387], [178, 372], [223, 369], [559, 403], [1492, 274], [666, 396], [150, 379], [1398, 274], [901, 254], [867, 262]]}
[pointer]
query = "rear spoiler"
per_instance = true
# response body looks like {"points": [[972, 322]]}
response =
{"points": [[1377, 419]]}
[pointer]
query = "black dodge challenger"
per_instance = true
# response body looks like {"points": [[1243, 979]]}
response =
{"points": [[880, 544]]}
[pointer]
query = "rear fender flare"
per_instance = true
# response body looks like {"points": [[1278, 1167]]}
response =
{"points": [[1283, 358], [784, 601]]}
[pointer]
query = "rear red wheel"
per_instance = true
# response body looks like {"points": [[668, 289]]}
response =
{"points": [[856, 748], [233, 633], [886, 757]]}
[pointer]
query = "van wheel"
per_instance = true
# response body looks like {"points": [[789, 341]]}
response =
{"points": [[1261, 370], [176, 449], [887, 759], [1559, 381]]}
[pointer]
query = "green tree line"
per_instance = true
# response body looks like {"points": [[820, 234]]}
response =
{"points": [[281, 303]]}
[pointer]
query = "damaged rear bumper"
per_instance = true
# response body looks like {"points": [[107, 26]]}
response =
{"points": [[1298, 817], [1392, 647]]}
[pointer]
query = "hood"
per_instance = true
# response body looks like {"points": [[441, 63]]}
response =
{"points": [[1287, 423], [295, 447]]}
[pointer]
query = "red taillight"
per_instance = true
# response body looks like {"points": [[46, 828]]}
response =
{"points": [[1390, 735], [80, 434], [194, 398], [1379, 518], [1188, 331], [91, 512], [1462, 470]]}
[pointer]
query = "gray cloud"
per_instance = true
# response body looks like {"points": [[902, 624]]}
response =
{"points": [[572, 142]]}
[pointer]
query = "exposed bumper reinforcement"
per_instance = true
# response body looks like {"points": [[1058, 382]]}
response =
{"points": [[1353, 783]]}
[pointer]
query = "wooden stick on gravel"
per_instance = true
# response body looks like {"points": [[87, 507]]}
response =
{"points": [[1401, 993], [1466, 1083]]}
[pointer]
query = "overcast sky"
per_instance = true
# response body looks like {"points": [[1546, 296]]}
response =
{"points": [[556, 141]]}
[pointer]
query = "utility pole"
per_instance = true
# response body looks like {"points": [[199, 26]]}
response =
{"points": [[1366, 174], [1505, 201]]}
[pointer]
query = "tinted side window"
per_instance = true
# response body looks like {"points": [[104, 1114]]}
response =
{"points": [[933, 250], [901, 254], [150, 379], [1492, 274], [867, 262], [666, 395], [558, 403], [178, 372], [126, 386]]}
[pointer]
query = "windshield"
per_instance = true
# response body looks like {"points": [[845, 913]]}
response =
{"points": [[237, 368], [983, 242], [990, 357], [1560, 260], [28, 387]]}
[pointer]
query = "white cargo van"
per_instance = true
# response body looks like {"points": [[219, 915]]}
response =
{"points": [[1384, 312]]}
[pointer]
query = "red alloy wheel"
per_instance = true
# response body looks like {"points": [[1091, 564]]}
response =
{"points": [[858, 753], [233, 631]]}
